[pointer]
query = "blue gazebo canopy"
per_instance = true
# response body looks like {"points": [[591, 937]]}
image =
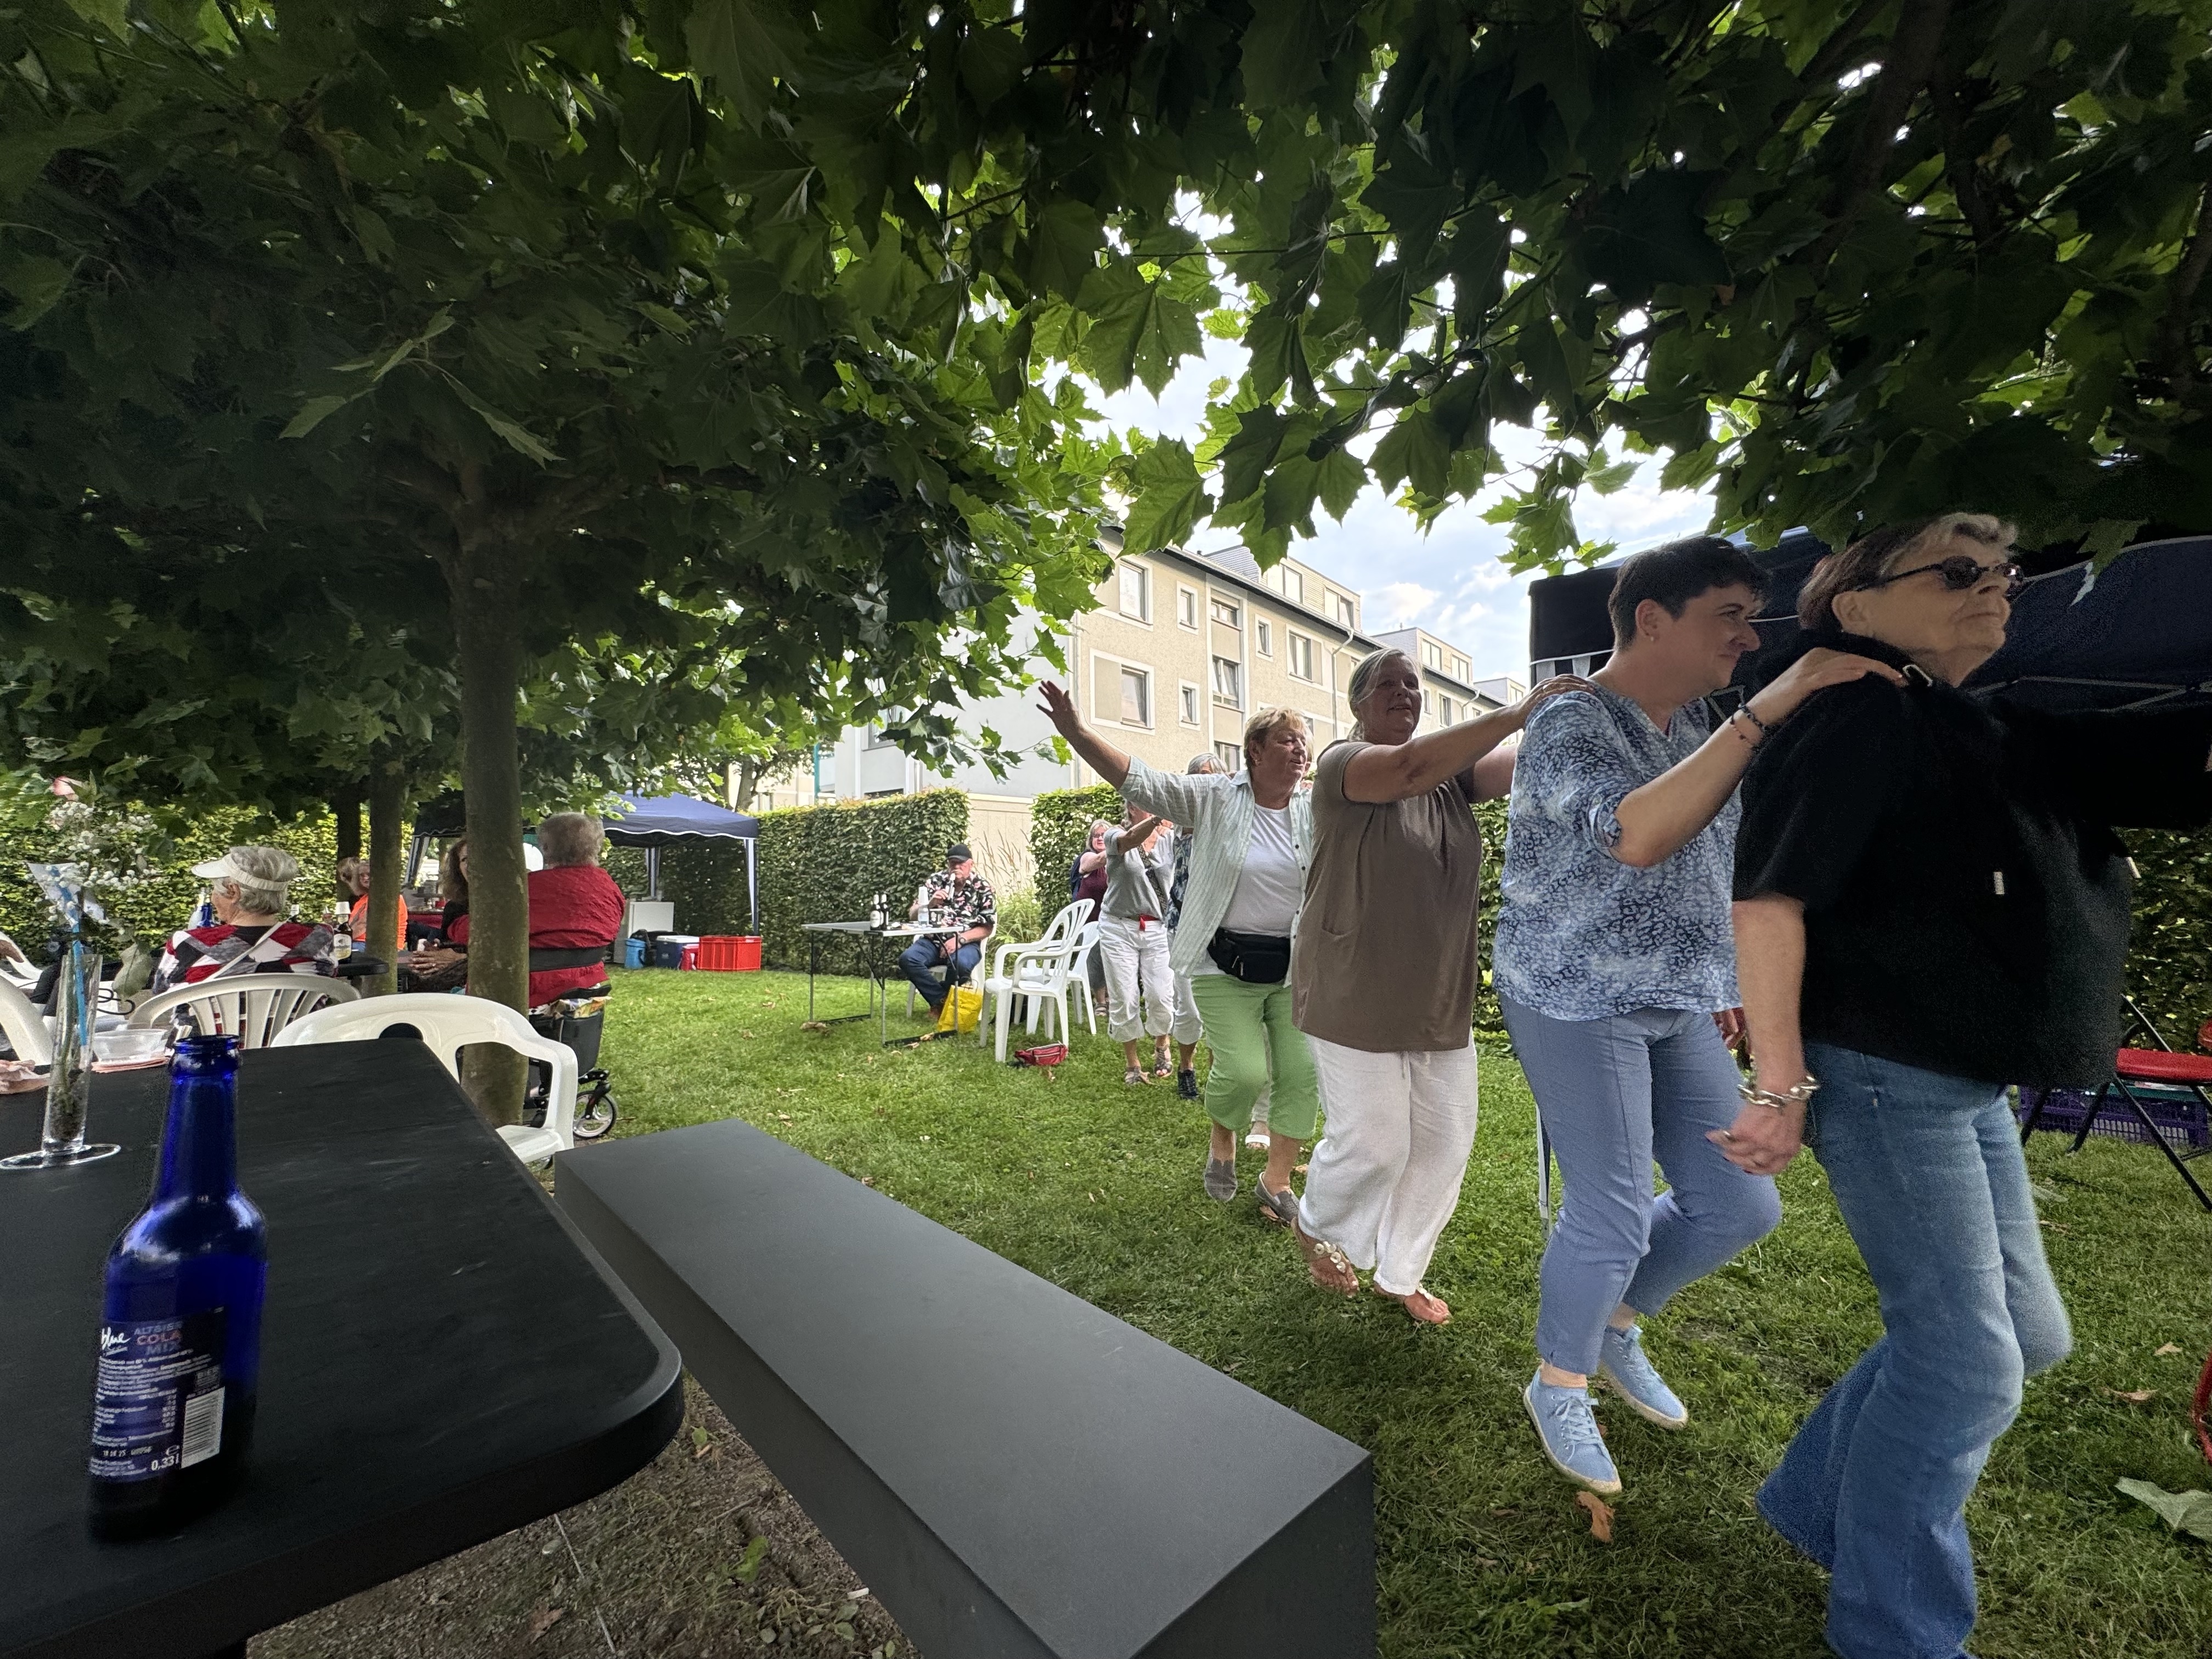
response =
{"points": [[653, 822], [673, 820]]}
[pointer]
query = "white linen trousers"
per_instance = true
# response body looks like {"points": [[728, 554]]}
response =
{"points": [[1136, 958], [1385, 1176]]}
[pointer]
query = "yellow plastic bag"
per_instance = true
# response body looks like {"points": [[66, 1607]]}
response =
{"points": [[963, 1008]]}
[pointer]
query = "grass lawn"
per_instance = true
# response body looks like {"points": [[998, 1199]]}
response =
{"points": [[1482, 1550]]}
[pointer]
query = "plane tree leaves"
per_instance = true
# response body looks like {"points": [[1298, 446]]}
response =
{"points": [[1847, 266]]}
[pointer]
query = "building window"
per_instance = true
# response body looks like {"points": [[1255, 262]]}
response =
{"points": [[1227, 612], [1428, 706], [1459, 670], [1187, 607], [1136, 592], [1263, 636], [1432, 655], [1299, 651], [1231, 757], [1294, 586], [1344, 614], [1445, 710], [1229, 683], [1190, 704], [1136, 697]]}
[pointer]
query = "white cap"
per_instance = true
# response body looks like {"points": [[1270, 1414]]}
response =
{"points": [[257, 866]]}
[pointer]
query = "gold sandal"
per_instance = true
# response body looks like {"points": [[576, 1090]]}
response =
{"points": [[1326, 1265]]}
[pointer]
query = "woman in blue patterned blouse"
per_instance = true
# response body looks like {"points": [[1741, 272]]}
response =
{"points": [[1615, 969]]}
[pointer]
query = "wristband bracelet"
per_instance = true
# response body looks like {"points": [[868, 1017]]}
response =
{"points": [[1764, 730], [1779, 1100]]}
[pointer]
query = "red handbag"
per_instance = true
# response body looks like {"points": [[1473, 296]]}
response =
{"points": [[1050, 1054]]}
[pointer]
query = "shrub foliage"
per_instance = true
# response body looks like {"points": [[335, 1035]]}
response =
{"points": [[154, 910], [817, 864], [1058, 819]]}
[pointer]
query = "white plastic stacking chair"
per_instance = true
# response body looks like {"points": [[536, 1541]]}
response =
{"points": [[448, 1024], [255, 1008], [1543, 1174], [1079, 971], [25, 1026], [1036, 972]]}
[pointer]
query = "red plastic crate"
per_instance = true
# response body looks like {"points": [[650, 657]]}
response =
{"points": [[728, 953]]}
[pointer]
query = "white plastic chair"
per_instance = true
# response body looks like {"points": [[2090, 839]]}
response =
{"points": [[25, 1027], [449, 1024], [1036, 972], [1079, 971], [255, 1008]]}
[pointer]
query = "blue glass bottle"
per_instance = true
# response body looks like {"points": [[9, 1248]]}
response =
{"points": [[181, 1326]]}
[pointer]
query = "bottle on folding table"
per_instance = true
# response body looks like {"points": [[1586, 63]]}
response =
{"points": [[180, 1327]]}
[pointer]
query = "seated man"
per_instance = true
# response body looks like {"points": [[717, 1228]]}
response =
{"points": [[250, 890], [965, 901]]}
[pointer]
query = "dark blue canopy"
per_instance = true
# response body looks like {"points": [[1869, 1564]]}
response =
{"points": [[675, 820], [2138, 632]]}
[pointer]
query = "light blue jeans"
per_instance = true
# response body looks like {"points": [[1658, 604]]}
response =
{"points": [[1615, 1094], [1928, 1172]]}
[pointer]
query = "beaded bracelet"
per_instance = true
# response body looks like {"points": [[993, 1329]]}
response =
{"points": [[1764, 730]]}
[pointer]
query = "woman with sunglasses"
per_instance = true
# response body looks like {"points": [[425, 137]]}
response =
{"points": [[1931, 904]]}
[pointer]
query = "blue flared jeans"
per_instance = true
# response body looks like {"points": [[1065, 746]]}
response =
{"points": [[1617, 1094], [1928, 1173]]}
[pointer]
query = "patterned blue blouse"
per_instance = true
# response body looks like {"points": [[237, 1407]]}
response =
{"points": [[1582, 935]]}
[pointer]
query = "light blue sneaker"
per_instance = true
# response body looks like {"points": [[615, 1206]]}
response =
{"points": [[1568, 1432], [1621, 1362]]}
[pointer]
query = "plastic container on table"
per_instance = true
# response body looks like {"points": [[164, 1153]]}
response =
{"points": [[730, 953], [667, 949]]}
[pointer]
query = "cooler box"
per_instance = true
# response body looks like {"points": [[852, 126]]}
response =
{"points": [[633, 952], [730, 953], [668, 949]]}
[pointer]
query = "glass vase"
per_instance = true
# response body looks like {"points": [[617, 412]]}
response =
{"points": [[69, 1084]]}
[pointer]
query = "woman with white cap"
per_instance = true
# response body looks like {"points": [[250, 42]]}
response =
{"points": [[250, 890]]}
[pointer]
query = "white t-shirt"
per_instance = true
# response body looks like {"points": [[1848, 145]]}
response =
{"points": [[1269, 886]]}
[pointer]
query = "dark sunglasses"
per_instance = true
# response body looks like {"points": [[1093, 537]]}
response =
{"points": [[1959, 573]]}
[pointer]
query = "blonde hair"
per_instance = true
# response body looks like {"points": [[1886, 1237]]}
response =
{"points": [[1363, 682], [1880, 551], [1266, 723]]}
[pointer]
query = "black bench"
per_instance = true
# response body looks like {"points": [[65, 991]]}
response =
{"points": [[1013, 1472]]}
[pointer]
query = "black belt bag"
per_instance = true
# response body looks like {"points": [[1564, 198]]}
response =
{"points": [[1256, 958]]}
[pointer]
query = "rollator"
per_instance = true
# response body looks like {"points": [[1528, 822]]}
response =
{"points": [[575, 1019]]}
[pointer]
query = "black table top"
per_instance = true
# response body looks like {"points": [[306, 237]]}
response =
{"points": [[443, 1358]]}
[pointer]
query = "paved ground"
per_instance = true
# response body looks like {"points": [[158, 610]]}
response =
{"points": [[700, 1555]]}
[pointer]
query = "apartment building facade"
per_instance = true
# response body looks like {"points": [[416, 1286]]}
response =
{"points": [[1175, 654]]}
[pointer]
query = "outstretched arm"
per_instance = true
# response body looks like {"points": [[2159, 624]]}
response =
{"points": [[1667, 814], [1101, 756], [1389, 772]]}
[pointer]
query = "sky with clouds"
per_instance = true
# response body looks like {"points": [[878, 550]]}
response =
{"points": [[1450, 579]]}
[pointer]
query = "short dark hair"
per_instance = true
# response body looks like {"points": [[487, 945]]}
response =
{"points": [[1676, 572]]}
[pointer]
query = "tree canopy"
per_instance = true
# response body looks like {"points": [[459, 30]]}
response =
{"points": [[1846, 261], [637, 364]]}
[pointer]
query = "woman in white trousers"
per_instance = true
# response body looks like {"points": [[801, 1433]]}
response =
{"points": [[1133, 943], [1384, 976]]}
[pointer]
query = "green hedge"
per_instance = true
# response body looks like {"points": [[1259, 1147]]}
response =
{"points": [[1058, 819], [2170, 956], [157, 909], [817, 864]]}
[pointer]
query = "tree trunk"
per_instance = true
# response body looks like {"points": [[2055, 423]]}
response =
{"points": [[387, 808], [345, 807], [487, 603]]}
